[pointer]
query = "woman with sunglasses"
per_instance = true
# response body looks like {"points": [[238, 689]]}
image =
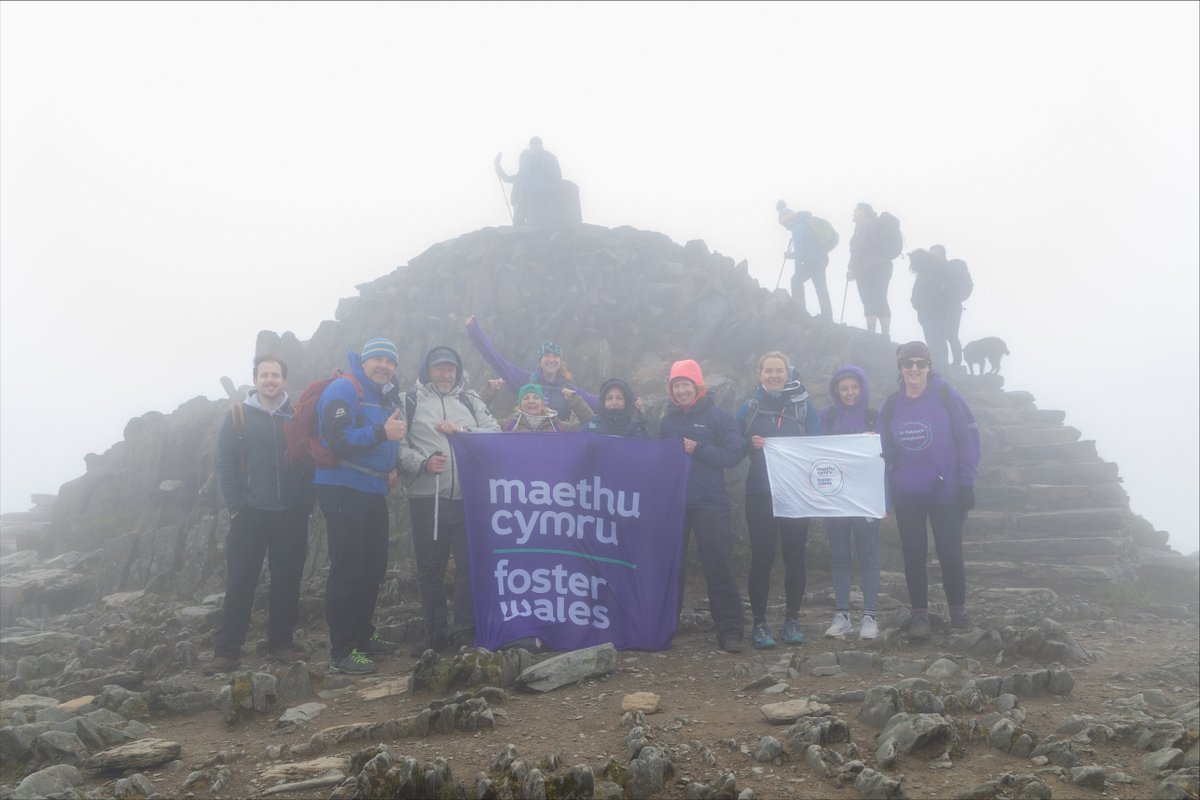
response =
{"points": [[931, 445], [551, 373]]}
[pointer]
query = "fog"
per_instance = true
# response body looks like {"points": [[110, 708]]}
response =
{"points": [[175, 177]]}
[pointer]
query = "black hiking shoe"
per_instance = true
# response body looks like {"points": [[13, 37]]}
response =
{"points": [[353, 664], [378, 646]]}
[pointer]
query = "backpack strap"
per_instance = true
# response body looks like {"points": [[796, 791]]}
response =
{"points": [[465, 399], [751, 413], [238, 412], [872, 417]]}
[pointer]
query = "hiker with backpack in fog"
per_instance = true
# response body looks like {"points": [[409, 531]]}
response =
{"points": [[711, 438], [780, 407], [269, 499], [438, 407], [875, 242], [551, 372], [532, 415], [621, 414], [812, 240], [958, 288], [536, 186], [360, 426], [851, 413], [932, 448]]}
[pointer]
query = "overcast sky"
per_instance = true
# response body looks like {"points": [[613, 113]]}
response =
{"points": [[175, 177]]}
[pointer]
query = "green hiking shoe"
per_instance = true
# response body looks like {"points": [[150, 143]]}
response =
{"points": [[356, 663], [378, 646]]}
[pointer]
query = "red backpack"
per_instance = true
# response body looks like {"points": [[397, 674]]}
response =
{"points": [[303, 430]]}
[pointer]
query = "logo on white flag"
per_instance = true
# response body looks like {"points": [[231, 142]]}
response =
{"points": [[826, 477]]}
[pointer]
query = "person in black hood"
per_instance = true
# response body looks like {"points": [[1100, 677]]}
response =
{"points": [[621, 414]]}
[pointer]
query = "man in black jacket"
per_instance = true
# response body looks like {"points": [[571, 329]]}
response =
{"points": [[269, 501]]}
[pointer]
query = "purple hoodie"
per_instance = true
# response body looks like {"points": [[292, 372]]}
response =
{"points": [[841, 418], [931, 449]]}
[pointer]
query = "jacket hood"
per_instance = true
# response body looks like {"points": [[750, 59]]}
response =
{"points": [[687, 369], [442, 351], [254, 401], [626, 389], [540, 422], [850, 371]]}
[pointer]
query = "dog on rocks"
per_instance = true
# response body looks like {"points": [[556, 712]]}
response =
{"points": [[988, 350]]}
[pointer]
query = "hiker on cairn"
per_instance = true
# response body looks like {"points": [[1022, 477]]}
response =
{"points": [[871, 268], [532, 415], [622, 412], [551, 373], [535, 186], [360, 424], [932, 449], [269, 501], [958, 288], [851, 413], [933, 302], [439, 407], [711, 438], [780, 407], [810, 257]]}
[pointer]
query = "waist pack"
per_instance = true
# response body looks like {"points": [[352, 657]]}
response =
{"points": [[303, 430]]}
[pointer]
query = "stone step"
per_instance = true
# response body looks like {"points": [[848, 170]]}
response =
{"points": [[1054, 474], [1022, 401], [1022, 435], [1057, 550], [1037, 497], [1039, 524], [1033, 418], [1030, 574], [1083, 451]]}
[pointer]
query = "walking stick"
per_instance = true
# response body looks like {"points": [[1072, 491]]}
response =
{"points": [[503, 193], [437, 493], [783, 265], [845, 292]]}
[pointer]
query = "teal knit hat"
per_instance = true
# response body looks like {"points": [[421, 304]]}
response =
{"points": [[531, 388], [380, 346]]}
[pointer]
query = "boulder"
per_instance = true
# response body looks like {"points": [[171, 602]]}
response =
{"points": [[567, 668]]}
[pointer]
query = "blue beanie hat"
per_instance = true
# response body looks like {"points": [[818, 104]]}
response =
{"points": [[549, 347], [380, 346]]}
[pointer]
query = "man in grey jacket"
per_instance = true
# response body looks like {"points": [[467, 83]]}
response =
{"points": [[440, 406], [269, 501]]}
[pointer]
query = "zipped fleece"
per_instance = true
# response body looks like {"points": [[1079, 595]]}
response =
{"points": [[424, 439], [269, 483]]}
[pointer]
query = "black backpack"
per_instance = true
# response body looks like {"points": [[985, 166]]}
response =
{"points": [[891, 241]]}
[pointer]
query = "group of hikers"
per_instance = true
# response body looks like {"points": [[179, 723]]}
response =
{"points": [[939, 290], [364, 436]]}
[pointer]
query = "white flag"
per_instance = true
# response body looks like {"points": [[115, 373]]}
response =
{"points": [[826, 476]]}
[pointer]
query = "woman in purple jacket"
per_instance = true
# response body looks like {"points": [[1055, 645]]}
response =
{"points": [[931, 444]]}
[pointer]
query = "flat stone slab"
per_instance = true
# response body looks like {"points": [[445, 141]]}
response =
{"points": [[142, 754], [646, 702], [567, 668], [389, 688], [73, 706], [302, 770], [24, 703], [36, 644], [789, 711]]}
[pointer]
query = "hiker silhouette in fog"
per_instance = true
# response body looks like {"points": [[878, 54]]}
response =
{"points": [[876, 241], [932, 301], [535, 186], [812, 239], [958, 288]]}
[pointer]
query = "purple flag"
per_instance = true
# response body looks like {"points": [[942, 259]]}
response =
{"points": [[573, 538]]}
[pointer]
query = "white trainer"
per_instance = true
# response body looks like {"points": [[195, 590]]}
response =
{"points": [[841, 626], [867, 628]]}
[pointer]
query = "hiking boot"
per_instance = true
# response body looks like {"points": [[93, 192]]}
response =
{"points": [[288, 654], [378, 646], [353, 664], [918, 631], [763, 640], [730, 643], [841, 626], [868, 628], [221, 664], [792, 633]]}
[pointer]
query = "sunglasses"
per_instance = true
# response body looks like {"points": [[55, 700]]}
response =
{"points": [[914, 363]]}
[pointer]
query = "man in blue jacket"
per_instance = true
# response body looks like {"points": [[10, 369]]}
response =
{"points": [[269, 501], [360, 423]]}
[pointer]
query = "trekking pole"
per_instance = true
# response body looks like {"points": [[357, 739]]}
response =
{"points": [[842, 318], [437, 493], [783, 266]]}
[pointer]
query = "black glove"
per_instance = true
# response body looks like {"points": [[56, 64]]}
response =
{"points": [[966, 499]]}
